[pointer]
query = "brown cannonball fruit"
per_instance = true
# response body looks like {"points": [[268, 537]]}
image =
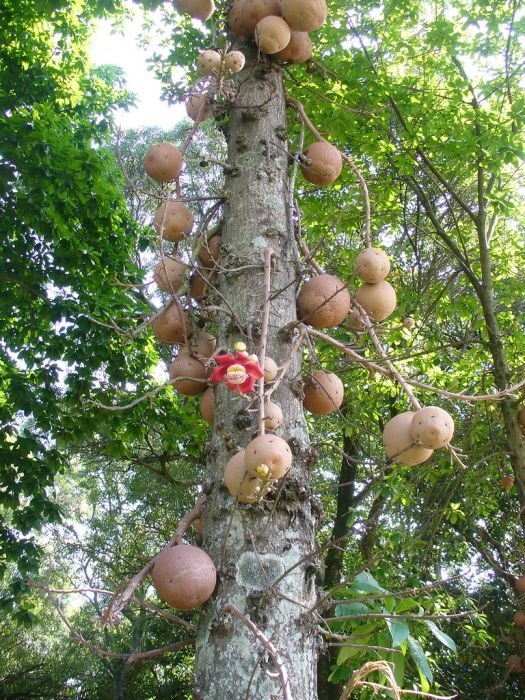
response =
{"points": [[273, 415], [515, 663], [205, 344], [271, 451], [185, 365], [356, 320], [200, 282], [198, 107], [172, 326], [207, 405], [209, 62], [272, 34], [398, 443], [163, 162], [323, 165], [270, 369], [298, 50], [239, 483], [519, 619], [184, 576], [519, 584], [432, 427], [409, 322], [378, 300], [323, 301], [304, 15], [173, 220], [506, 482], [323, 393], [210, 251], [234, 61], [199, 9], [169, 274], [521, 417], [245, 14], [372, 265]]}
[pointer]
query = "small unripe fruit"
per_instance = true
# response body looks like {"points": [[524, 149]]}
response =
{"points": [[432, 427], [270, 369], [409, 322], [209, 62], [271, 451], [272, 34], [240, 484], [234, 61], [198, 107], [399, 444], [163, 162], [273, 416], [372, 265]]}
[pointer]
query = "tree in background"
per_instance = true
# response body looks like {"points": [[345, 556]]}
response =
{"points": [[427, 107]]}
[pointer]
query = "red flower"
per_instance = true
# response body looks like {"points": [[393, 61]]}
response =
{"points": [[239, 372]]}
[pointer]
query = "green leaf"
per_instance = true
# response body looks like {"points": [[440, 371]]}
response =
{"points": [[399, 631], [407, 604], [356, 608], [366, 583], [418, 654], [441, 636]]}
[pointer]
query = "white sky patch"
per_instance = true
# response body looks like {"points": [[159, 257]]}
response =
{"points": [[121, 49]]}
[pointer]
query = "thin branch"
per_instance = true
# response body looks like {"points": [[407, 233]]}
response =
{"points": [[267, 644]]}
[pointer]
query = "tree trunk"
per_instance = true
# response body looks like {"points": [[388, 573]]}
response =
{"points": [[254, 545]]}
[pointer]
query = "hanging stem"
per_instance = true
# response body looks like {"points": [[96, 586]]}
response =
{"points": [[264, 332]]}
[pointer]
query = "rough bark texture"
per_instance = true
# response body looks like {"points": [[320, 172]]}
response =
{"points": [[255, 545]]}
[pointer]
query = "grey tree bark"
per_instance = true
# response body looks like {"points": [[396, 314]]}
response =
{"points": [[263, 552]]}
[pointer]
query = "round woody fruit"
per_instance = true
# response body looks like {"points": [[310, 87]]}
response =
{"points": [[172, 325], [163, 162], [268, 456], [272, 34], [323, 301], [239, 483], [173, 220], [399, 444], [304, 15], [372, 265], [198, 107], [184, 576], [209, 62], [432, 427], [378, 300], [323, 393], [185, 365], [323, 163]]}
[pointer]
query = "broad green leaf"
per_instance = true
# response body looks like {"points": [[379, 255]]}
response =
{"points": [[441, 636], [407, 604], [356, 608], [366, 583], [399, 631], [418, 654], [346, 653]]}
